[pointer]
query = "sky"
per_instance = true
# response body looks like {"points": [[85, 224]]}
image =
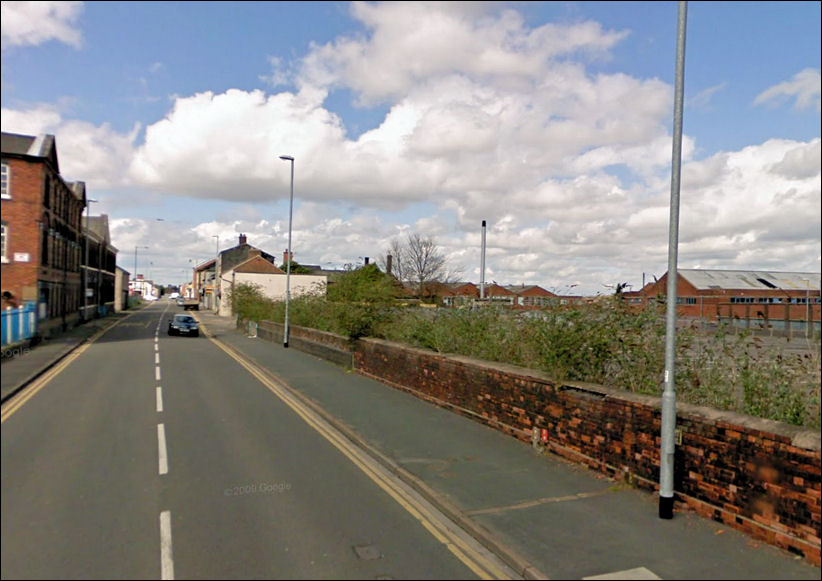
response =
{"points": [[551, 121]]}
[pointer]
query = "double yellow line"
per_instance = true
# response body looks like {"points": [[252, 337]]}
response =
{"points": [[474, 559]]}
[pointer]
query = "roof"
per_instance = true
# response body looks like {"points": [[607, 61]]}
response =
{"points": [[42, 146], [205, 265], [528, 289], [750, 279], [98, 226], [496, 289], [257, 265]]}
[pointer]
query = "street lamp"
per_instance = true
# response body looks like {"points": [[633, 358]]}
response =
{"points": [[85, 271], [807, 307], [135, 265], [214, 290], [288, 250]]}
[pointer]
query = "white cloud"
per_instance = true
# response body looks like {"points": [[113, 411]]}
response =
{"points": [[487, 120], [805, 87], [33, 23], [97, 155]]}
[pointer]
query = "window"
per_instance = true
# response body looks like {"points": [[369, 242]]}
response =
{"points": [[6, 188], [5, 241]]}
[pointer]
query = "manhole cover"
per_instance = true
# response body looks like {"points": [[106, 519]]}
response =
{"points": [[367, 552]]}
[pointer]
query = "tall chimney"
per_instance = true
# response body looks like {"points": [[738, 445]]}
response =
{"points": [[366, 261], [243, 239], [389, 260], [285, 256], [482, 264]]}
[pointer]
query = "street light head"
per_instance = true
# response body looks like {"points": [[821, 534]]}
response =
{"points": [[287, 157]]}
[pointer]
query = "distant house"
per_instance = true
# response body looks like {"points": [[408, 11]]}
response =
{"points": [[757, 298], [203, 284], [532, 296], [458, 293], [499, 294], [225, 262], [245, 264]]}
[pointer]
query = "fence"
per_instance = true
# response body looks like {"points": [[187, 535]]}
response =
{"points": [[18, 324]]}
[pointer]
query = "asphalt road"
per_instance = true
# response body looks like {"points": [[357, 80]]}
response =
{"points": [[152, 456]]}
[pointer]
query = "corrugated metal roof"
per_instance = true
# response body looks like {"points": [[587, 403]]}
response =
{"points": [[750, 279]]}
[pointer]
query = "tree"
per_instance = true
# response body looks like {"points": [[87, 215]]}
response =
{"points": [[417, 260], [366, 284], [296, 268]]}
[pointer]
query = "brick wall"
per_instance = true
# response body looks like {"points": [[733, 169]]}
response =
{"points": [[757, 476]]}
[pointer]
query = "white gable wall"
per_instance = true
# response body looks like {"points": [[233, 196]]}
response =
{"points": [[271, 285]]}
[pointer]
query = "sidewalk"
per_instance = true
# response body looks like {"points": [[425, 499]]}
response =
{"points": [[546, 517], [29, 362]]}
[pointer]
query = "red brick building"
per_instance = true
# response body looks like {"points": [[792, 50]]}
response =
{"points": [[531, 296], [753, 298], [458, 293], [42, 238]]}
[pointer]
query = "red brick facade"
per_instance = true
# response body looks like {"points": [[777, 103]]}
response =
{"points": [[750, 307], [41, 219]]}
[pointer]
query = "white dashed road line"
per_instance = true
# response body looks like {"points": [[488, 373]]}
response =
{"points": [[166, 555], [161, 449]]}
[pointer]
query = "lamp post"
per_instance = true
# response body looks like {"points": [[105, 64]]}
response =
{"points": [[668, 427], [135, 265], [85, 270], [807, 307], [216, 279], [288, 250]]}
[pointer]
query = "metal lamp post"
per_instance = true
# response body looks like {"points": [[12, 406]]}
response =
{"points": [[216, 258], [668, 428], [85, 271], [135, 265], [288, 251], [807, 307]]}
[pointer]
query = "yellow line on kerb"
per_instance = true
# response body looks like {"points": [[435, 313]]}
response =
{"points": [[478, 563]]}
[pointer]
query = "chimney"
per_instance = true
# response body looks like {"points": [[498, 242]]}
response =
{"points": [[285, 256], [389, 260], [366, 261], [243, 239]]}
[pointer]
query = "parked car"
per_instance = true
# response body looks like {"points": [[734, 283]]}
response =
{"points": [[182, 324]]}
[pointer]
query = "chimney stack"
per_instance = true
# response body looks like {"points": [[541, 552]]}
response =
{"points": [[243, 239], [366, 261], [285, 256], [389, 260]]}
